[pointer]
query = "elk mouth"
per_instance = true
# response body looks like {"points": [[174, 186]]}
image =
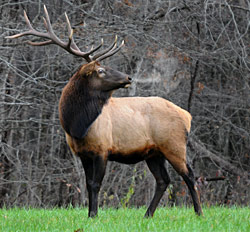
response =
{"points": [[126, 85]]}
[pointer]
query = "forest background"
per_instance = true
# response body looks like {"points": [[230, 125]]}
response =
{"points": [[193, 53]]}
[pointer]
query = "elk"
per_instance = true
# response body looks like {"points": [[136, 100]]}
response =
{"points": [[101, 128]]}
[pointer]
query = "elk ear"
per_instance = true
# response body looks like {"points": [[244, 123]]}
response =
{"points": [[88, 69]]}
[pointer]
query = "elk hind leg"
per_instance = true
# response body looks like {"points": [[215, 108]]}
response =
{"points": [[158, 169], [191, 183], [184, 170]]}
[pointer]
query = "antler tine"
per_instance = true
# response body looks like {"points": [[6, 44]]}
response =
{"points": [[48, 26], [45, 24], [106, 50], [47, 20], [70, 39], [70, 32], [47, 42], [111, 52], [27, 20]]}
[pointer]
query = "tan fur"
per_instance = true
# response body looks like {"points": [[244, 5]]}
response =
{"points": [[138, 124]]}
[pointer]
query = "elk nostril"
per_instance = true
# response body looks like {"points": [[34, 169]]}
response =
{"points": [[129, 78]]}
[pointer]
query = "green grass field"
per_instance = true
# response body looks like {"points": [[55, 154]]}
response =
{"points": [[165, 219]]}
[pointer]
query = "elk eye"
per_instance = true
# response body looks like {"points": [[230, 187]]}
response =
{"points": [[101, 71]]}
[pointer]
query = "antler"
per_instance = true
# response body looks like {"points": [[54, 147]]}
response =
{"points": [[69, 46]]}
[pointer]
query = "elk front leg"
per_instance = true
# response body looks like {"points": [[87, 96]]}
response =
{"points": [[94, 171]]}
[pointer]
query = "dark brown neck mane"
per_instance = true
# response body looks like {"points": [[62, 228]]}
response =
{"points": [[80, 105]]}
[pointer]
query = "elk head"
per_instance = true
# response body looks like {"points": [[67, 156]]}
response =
{"points": [[102, 78]]}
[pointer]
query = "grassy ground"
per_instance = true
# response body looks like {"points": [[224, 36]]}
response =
{"points": [[165, 219]]}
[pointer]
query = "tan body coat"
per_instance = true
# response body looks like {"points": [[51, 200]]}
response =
{"points": [[138, 125]]}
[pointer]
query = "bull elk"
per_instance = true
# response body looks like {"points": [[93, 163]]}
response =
{"points": [[100, 128]]}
